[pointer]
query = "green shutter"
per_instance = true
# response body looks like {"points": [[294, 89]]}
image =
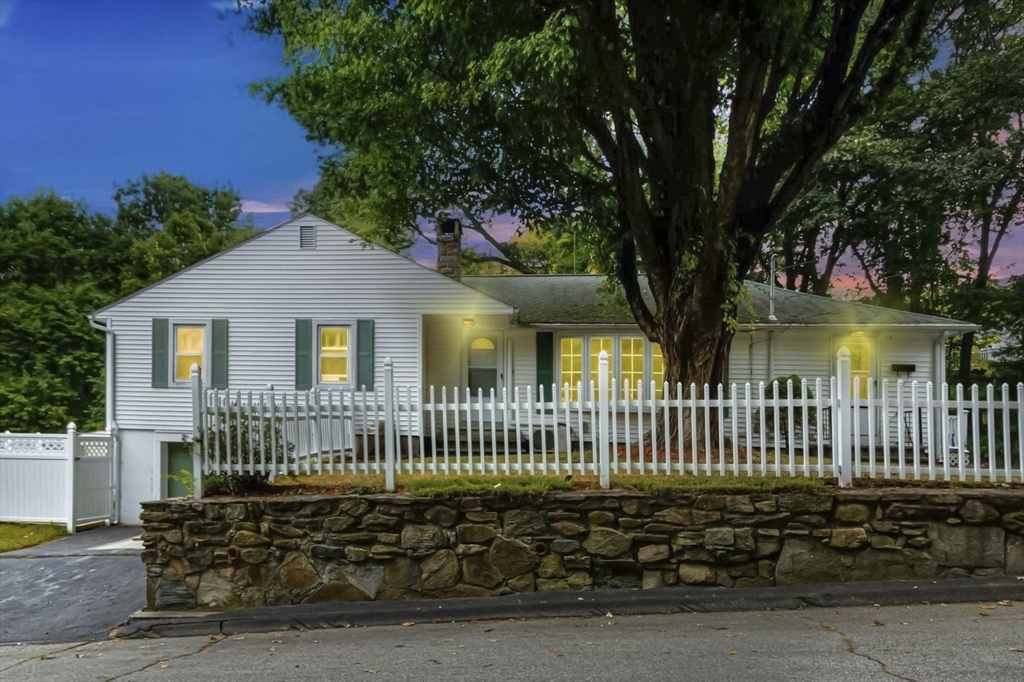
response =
{"points": [[219, 355], [303, 355], [545, 361], [161, 358], [364, 354]]}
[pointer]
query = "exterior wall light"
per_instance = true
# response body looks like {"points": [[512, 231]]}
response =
{"points": [[467, 322]]}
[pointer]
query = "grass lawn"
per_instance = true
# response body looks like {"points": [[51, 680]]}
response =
{"points": [[21, 535], [432, 485]]}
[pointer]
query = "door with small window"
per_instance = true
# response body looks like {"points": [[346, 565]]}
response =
{"points": [[484, 364], [863, 356]]}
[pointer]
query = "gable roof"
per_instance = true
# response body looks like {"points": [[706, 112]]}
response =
{"points": [[390, 257], [581, 300]]}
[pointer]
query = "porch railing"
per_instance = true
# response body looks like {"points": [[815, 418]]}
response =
{"points": [[906, 430]]}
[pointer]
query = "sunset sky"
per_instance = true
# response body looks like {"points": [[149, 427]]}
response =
{"points": [[93, 94]]}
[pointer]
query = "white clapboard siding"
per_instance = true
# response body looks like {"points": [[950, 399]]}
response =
{"points": [[262, 287]]}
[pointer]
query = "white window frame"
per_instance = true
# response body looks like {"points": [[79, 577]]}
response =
{"points": [[614, 362], [352, 353], [204, 371]]}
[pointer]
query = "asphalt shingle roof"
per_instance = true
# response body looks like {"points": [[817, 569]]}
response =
{"points": [[583, 300]]}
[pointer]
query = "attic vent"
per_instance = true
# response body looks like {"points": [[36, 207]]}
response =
{"points": [[307, 237]]}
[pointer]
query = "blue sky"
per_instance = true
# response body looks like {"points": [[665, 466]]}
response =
{"points": [[96, 93]]}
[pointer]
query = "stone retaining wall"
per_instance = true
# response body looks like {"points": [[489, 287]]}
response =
{"points": [[232, 553]]}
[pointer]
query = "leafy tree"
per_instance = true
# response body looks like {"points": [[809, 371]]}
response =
{"points": [[1007, 363], [536, 252], [59, 262], [676, 133], [978, 110], [174, 223], [924, 194], [53, 271]]}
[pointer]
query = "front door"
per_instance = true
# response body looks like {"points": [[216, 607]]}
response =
{"points": [[484, 364]]}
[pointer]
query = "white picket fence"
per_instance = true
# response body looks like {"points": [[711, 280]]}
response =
{"points": [[65, 478], [906, 430]]}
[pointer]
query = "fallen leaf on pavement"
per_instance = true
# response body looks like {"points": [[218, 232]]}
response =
{"points": [[987, 606], [732, 653], [371, 671], [877, 623], [608, 615], [408, 623], [1006, 602]]}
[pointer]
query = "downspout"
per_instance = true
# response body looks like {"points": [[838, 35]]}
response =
{"points": [[750, 356], [109, 388], [111, 425]]}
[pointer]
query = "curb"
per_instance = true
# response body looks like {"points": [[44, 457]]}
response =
{"points": [[566, 604]]}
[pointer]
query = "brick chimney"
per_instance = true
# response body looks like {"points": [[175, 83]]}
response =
{"points": [[449, 248]]}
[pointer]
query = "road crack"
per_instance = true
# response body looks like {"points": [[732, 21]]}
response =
{"points": [[852, 648], [213, 640], [47, 655]]}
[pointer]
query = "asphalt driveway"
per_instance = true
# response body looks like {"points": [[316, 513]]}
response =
{"points": [[71, 590]]}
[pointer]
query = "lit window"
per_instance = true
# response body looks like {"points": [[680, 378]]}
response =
{"points": [[188, 351], [571, 356], [598, 344], [334, 355], [631, 363], [657, 370]]}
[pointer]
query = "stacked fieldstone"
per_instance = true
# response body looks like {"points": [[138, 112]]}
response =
{"points": [[229, 554]]}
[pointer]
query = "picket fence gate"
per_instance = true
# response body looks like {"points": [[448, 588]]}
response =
{"points": [[905, 430]]}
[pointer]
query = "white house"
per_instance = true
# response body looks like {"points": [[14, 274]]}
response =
{"points": [[308, 304]]}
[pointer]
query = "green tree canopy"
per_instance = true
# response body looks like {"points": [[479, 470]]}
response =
{"points": [[674, 132], [923, 194], [59, 262], [174, 223]]}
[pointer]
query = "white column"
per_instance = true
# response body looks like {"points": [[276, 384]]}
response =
{"points": [[841, 404], [603, 407]]}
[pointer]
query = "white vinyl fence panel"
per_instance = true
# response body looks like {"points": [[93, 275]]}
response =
{"points": [[903, 430], [58, 478]]}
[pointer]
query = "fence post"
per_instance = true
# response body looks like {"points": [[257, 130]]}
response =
{"points": [[603, 407], [198, 426], [72, 448], [389, 425], [843, 440]]}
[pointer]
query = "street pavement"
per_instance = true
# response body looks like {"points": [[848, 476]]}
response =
{"points": [[73, 589], [967, 641]]}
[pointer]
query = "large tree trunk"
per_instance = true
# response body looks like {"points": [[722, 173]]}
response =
{"points": [[696, 338]]}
